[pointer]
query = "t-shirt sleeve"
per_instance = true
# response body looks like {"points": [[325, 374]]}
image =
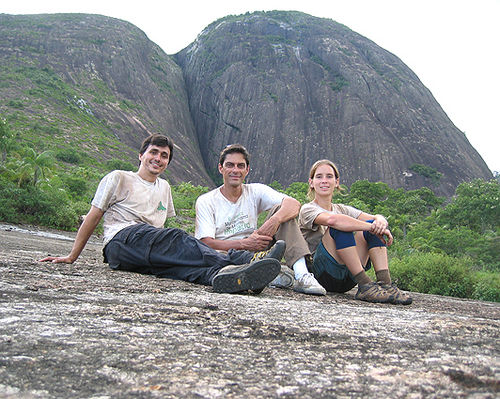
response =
{"points": [[105, 193], [205, 218], [307, 215], [267, 197]]}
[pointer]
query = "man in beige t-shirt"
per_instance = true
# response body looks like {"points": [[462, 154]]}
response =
{"points": [[134, 207]]}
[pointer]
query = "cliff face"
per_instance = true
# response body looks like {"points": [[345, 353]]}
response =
{"points": [[291, 87], [98, 83], [295, 88]]}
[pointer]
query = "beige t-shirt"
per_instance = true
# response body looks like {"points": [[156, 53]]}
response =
{"points": [[127, 199], [313, 233]]}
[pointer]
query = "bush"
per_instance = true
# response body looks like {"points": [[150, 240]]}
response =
{"points": [[476, 206], [118, 164], [8, 192], [32, 205], [68, 155], [426, 171], [458, 242], [432, 273], [487, 287], [298, 190], [184, 196], [77, 186]]}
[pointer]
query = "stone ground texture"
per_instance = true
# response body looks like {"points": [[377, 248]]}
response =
{"points": [[85, 331]]}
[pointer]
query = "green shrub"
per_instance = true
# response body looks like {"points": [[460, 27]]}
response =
{"points": [[487, 287], [298, 190], [184, 196], [69, 155], [77, 186], [15, 104], [8, 192], [475, 205], [33, 205], [458, 242], [426, 171], [433, 273], [114, 164]]}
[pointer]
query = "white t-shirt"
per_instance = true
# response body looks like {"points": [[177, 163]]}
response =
{"points": [[313, 233], [219, 218], [127, 199]]}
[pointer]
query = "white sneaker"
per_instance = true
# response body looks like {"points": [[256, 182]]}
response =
{"points": [[284, 279], [307, 284]]}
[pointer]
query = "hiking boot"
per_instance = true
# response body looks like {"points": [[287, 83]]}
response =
{"points": [[399, 297], [253, 276], [373, 292], [275, 252], [307, 284], [285, 278]]}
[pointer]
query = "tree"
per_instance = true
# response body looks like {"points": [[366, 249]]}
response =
{"points": [[476, 205], [369, 193], [31, 168]]}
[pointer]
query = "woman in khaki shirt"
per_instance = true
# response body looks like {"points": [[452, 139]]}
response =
{"points": [[345, 241]]}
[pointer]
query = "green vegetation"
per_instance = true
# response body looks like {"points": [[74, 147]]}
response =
{"points": [[440, 248], [336, 81], [426, 171]]}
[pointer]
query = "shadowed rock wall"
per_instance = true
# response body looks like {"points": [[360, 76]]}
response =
{"points": [[294, 89]]}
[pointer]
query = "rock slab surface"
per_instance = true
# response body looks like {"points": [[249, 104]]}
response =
{"points": [[85, 331]]}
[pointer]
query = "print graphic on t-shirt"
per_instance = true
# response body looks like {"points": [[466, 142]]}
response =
{"points": [[237, 224], [161, 207]]}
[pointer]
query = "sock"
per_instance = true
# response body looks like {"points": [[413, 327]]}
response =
{"points": [[362, 278], [300, 268], [383, 276]]}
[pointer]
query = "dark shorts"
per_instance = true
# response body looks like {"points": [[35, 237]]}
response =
{"points": [[333, 276]]}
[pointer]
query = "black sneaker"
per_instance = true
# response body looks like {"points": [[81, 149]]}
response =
{"points": [[275, 252], [253, 276]]}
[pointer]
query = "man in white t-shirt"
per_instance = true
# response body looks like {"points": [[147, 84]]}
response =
{"points": [[226, 220], [134, 207]]}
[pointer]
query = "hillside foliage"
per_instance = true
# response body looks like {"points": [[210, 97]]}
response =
{"points": [[441, 247]]}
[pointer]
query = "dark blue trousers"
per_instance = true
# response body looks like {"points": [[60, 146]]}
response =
{"points": [[169, 253]]}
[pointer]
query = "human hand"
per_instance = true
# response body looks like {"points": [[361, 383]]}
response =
{"points": [[269, 227], [256, 242], [57, 259], [386, 237], [379, 225]]}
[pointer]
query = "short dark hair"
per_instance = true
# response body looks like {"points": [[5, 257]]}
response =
{"points": [[159, 140], [232, 148]]}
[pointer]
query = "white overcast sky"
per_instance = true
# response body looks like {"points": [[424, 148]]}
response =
{"points": [[452, 45]]}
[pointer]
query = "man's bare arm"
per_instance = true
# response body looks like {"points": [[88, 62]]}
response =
{"points": [[254, 242], [289, 209], [84, 232]]}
